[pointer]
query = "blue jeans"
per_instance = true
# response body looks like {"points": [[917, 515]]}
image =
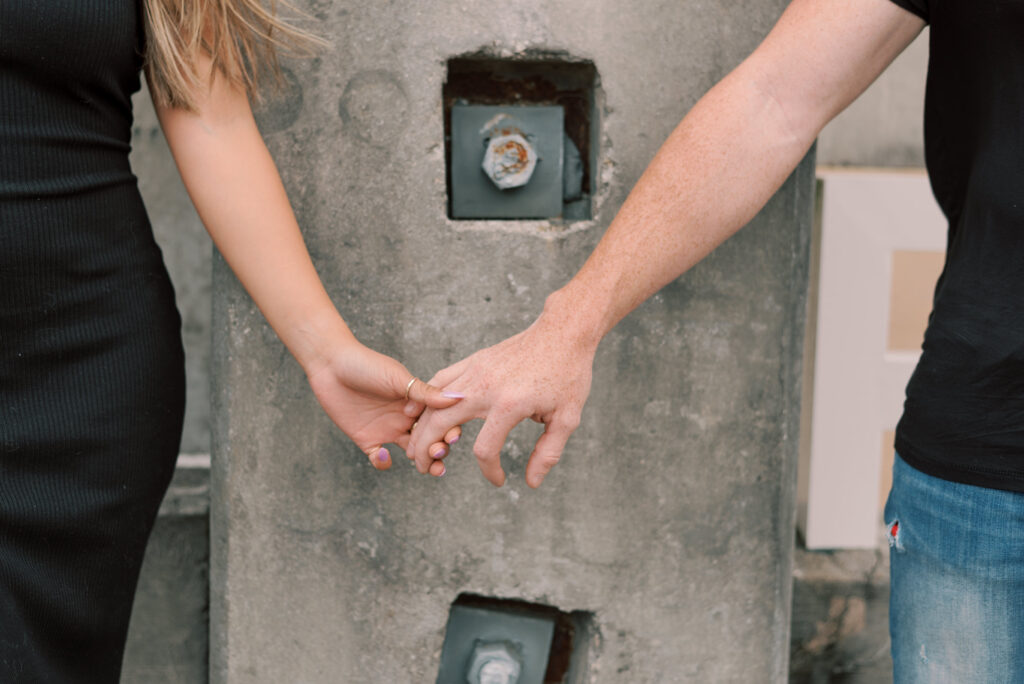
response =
{"points": [[956, 611]]}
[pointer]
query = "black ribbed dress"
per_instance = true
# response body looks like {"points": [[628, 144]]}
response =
{"points": [[91, 362]]}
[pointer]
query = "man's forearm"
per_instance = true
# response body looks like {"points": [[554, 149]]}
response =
{"points": [[732, 152], [712, 175]]}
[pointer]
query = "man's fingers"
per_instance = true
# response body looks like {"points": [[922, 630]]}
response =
{"points": [[548, 450], [489, 443], [379, 457]]}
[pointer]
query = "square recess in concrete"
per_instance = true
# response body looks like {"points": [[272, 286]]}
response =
{"points": [[550, 644], [534, 79]]}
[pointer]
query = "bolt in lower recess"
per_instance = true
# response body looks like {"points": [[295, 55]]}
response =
{"points": [[494, 662]]}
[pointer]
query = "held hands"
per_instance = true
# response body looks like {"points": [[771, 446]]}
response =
{"points": [[369, 396], [540, 374]]}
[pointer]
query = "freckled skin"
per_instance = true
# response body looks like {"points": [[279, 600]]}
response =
{"points": [[714, 173]]}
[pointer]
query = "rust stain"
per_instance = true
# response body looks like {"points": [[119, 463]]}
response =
{"points": [[517, 150]]}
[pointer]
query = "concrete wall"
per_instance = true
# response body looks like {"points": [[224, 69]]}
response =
{"points": [[671, 516], [885, 126]]}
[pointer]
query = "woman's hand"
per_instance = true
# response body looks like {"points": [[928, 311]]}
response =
{"points": [[369, 396]]}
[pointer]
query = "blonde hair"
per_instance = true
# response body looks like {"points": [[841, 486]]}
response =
{"points": [[241, 37]]}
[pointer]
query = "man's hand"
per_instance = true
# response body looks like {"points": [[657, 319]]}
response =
{"points": [[542, 373]]}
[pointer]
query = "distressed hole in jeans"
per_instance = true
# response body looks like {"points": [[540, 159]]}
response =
{"points": [[893, 534]]}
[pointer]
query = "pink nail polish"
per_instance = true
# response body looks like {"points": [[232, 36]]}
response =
{"points": [[453, 440], [444, 469], [382, 455], [453, 395]]}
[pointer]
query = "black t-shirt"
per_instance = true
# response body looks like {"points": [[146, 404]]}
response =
{"points": [[963, 418]]}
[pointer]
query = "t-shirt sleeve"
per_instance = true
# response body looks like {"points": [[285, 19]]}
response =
{"points": [[918, 7]]}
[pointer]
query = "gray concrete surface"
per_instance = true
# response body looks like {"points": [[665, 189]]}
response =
{"points": [[168, 638], [671, 515], [885, 126]]}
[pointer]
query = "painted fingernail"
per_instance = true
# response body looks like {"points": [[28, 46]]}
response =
{"points": [[453, 440], [382, 455], [444, 469], [453, 395], [440, 454]]}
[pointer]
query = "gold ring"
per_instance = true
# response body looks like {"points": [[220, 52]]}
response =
{"points": [[409, 387]]}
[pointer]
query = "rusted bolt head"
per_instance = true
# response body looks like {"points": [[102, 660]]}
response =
{"points": [[509, 161], [493, 663]]}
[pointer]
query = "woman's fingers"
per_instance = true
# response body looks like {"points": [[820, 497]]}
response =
{"points": [[434, 397], [422, 395], [453, 435], [379, 457], [435, 427], [438, 451], [441, 379]]}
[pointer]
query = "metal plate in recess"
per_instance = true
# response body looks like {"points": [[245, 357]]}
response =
{"points": [[474, 195], [468, 624]]}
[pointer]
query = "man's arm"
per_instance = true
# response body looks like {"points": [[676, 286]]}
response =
{"points": [[714, 173]]}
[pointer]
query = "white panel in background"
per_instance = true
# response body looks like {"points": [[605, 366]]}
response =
{"points": [[858, 382]]}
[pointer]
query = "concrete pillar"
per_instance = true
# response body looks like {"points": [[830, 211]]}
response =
{"points": [[670, 518]]}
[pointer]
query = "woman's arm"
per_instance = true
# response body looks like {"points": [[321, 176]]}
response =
{"points": [[238, 193]]}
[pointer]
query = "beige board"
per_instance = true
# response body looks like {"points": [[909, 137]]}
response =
{"points": [[914, 273]]}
